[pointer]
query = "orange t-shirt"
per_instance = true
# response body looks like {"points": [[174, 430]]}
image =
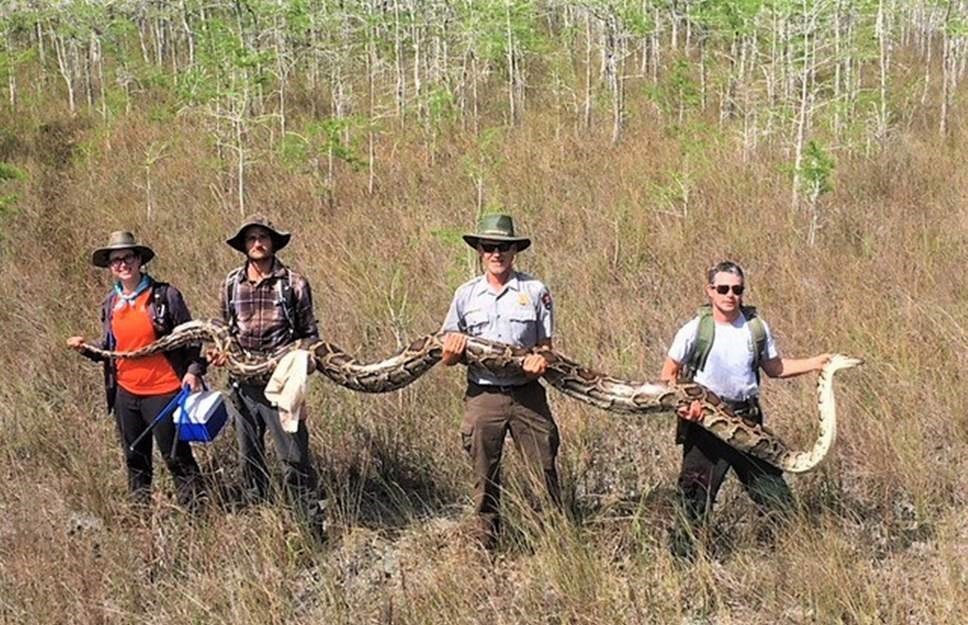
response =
{"points": [[132, 329]]}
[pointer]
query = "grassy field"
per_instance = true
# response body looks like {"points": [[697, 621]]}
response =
{"points": [[882, 535]]}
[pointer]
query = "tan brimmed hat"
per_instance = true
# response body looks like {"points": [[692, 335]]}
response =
{"points": [[279, 238], [120, 240]]}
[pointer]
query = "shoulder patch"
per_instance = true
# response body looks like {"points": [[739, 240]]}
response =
{"points": [[546, 300]]}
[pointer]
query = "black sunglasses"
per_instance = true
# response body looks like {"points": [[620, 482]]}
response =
{"points": [[723, 289], [490, 248]]}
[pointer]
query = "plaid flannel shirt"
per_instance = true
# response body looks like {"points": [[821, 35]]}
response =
{"points": [[259, 313]]}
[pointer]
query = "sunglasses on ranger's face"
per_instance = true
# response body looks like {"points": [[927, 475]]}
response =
{"points": [[490, 248], [723, 289]]}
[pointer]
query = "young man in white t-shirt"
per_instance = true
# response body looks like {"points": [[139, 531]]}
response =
{"points": [[729, 368]]}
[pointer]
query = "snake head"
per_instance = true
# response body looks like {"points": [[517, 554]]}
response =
{"points": [[842, 361]]}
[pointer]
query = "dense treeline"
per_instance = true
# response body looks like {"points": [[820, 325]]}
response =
{"points": [[319, 80]]}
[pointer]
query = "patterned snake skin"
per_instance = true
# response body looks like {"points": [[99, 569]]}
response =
{"points": [[566, 375]]}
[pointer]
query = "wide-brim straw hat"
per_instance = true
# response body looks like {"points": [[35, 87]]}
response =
{"points": [[120, 240], [280, 238], [496, 228]]}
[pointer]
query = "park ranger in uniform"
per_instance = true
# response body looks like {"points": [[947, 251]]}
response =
{"points": [[511, 307]]}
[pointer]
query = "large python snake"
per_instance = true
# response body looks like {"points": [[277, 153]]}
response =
{"points": [[566, 375]]}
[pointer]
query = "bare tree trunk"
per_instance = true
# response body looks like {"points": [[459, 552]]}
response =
{"points": [[587, 117], [462, 87], [804, 107], [238, 122], [674, 22], [11, 76], [314, 69], [702, 71], [416, 36], [476, 107], [884, 59], [88, 71], [838, 88], [41, 52], [141, 40], [371, 100], [100, 75], [814, 200], [401, 89], [947, 67], [612, 74], [281, 68], [927, 72], [189, 35], [656, 48], [159, 37], [66, 69], [512, 111]]}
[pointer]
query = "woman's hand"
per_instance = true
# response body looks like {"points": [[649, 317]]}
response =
{"points": [[76, 343], [215, 357], [193, 382]]}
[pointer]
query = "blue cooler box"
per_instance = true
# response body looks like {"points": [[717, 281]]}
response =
{"points": [[201, 416]]}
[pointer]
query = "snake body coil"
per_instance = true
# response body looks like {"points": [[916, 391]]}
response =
{"points": [[566, 375]]}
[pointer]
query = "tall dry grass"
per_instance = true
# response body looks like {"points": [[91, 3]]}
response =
{"points": [[881, 536]]}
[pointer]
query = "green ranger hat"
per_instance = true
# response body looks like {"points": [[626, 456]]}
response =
{"points": [[496, 228]]}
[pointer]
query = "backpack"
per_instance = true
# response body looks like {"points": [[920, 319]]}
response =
{"points": [[695, 361], [285, 297]]}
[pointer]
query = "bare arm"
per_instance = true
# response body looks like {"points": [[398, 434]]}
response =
{"points": [[669, 374], [670, 371], [792, 367]]}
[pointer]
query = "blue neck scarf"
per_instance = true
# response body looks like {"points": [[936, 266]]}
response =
{"points": [[128, 299]]}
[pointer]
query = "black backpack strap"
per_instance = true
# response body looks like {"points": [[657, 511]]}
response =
{"points": [[757, 337], [695, 360], [231, 286], [161, 312], [286, 298], [107, 311]]}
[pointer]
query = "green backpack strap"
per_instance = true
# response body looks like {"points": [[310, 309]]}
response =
{"points": [[286, 299], [706, 332], [231, 286], [758, 336]]}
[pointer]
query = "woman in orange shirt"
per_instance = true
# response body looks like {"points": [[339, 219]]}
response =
{"points": [[137, 311]]}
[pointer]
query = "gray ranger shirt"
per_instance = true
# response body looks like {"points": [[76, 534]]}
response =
{"points": [[520, 314]]}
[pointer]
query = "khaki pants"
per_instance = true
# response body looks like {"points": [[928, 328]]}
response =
{"points": [[489, 413]]}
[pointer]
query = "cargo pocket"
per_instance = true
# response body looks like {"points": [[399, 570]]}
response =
{"points": [[466, 437]]}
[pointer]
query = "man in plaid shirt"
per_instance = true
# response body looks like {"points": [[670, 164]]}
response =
{"points": [[268, 305]]}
